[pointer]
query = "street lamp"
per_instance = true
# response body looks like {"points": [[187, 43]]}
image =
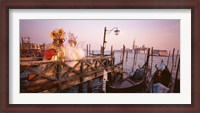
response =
{"points": [[116, 31]]}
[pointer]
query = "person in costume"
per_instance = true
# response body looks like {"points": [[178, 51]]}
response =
{"points": [[56, 50], [73, 50]]}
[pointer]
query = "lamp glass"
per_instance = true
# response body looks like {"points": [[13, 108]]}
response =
{"points": [[117, 32]]}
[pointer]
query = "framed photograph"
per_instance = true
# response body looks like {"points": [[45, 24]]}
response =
{"points": [[102, 56]]}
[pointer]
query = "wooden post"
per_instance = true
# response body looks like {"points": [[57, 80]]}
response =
{"points": [[89, 88], [80, 89], [123, 52], [113, 59], [126, 55], [105, 79], [177, 82], [147, 59], [172, 60], [176, 58], [136, 55], [145, 56], [152, 87], [112, 56], [58, 75], [87, 50], [145, 66], [101, 51], [134, 60], [111, 50], [168, 58], [151, 60]]}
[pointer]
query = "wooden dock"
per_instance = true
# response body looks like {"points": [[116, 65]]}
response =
{"points": [[55, 76]]}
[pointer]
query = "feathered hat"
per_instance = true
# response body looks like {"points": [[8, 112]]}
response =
{"points": [[72, 38], [58, 36]]}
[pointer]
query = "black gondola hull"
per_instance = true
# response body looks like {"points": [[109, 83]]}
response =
{"points": [[126, 86]]}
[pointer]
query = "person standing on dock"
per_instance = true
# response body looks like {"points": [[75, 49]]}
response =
{"points": [[74, 51], [56, 50]]}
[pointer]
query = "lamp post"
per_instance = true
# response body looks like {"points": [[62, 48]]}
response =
{"points": [[107, 32]]}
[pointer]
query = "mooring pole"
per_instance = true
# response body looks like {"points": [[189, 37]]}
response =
{"points": [[89, 50], [133, 60], [126, 55], [80, 89], [168, 58], [104, 41], [151, 59], [105, 79], [58, 74], [112, 56], [101, 51], [147, 59], [145, 56], [136, 55], [172, 60], [176, 58], [177, 82], [123, 57], [89, 88]]}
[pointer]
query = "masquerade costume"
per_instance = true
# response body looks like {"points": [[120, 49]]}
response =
{"points": [[73, 51], [55, 50]]}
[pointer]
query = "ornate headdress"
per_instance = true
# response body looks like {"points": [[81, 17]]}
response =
{"points": [[58, 36], [72, 38]]}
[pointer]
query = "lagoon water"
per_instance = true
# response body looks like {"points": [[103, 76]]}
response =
{"points": [[128, 65]]}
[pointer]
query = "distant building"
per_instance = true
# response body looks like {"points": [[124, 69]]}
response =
{"points": [[144, 50], [28, 49], [160, 53], [141, 50], [128, 49]]}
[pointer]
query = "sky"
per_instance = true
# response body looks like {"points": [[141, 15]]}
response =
{"points": [[161, 34]]}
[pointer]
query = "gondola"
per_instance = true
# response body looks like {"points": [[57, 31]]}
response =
{"points": [[161, 81], [131, 84]]}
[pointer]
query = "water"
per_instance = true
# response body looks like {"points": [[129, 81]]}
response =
{"points": [[141, 59], [128, 65]]}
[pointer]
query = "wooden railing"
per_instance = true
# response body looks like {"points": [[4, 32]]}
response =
{"points": [[45, 75]]}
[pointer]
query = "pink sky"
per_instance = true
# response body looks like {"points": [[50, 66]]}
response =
{"points": [[160, 34]]}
